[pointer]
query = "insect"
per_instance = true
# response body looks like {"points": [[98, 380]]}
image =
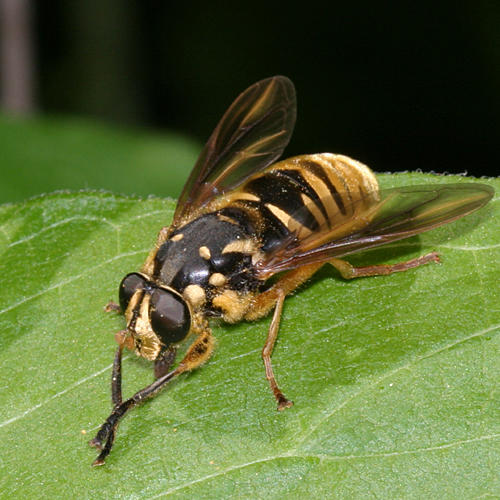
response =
{"points": [[242, 219]]}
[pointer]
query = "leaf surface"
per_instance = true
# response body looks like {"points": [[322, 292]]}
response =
{"points": [[395, 379]]}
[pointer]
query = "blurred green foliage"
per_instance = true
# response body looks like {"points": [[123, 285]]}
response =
{"points": [[40, 155]]}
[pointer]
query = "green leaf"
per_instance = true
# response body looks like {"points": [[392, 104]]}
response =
{"points": [[395, 379], [44, 154]]}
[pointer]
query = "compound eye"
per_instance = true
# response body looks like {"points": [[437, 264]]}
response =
{"points": [[129, 285], [170, 316]]}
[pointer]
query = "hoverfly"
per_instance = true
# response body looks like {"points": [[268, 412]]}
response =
{"points": [[241, 219]]}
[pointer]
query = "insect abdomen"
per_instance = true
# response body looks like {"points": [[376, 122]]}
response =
{"points": [[306, 193]]}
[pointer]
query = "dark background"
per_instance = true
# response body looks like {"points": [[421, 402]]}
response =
{"points": [[397, 85]]}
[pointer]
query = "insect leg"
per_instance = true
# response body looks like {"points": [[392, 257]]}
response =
{"points": [[164, 361], [112, 307], [199, 351], [116, 378], [263, 303], [108, 429], [348, 271], [267, 350]]}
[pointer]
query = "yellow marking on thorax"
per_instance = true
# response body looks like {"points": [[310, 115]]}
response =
{"points": [[195, 295], [205, 253], [217, 279], [177, 237], [240, 246]]}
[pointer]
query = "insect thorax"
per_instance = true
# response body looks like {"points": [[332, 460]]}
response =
{"points": [[210, 261]]}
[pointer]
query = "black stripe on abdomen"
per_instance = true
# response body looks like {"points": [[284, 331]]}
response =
{"points": [[276, 190], [319, 171]]}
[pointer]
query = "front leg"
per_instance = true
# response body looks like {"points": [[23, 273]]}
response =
{"points": [[112, 307], [164, 361], [199, 352], [116, 378]]}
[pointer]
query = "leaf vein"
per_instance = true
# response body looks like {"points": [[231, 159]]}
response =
{"points": [[59, 223], [292, 455], [54, 396], [68, 280], [445, 446], [391, 373]]}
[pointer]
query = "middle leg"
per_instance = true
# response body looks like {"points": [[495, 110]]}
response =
{"points": [[267, 350], [263, 303]]}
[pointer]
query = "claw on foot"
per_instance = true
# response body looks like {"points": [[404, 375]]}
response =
{"points": [[112, 306], [284, 403]]}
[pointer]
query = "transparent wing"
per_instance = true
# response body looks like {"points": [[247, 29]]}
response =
{"points": [[252, 134], [397, 213]]}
